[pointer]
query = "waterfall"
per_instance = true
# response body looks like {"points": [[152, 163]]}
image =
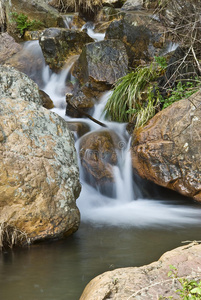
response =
{"points": [[128, 208], [89, 27]]}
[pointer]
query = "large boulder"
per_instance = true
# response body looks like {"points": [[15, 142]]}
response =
{"points": [[141, 35], [8, 47], [39, 176], [167, 150], [149, 282], [101, 64], [58, 44], [98, 155], [14, 84]]}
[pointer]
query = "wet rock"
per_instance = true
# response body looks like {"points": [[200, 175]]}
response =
{"points": [[100, 64], [30, 61], [8, 47], [78, 103], [167, 150], [98, 156], [14, 84], [142, 41], [39, 176], [78, 128], [47, 102], [59, 44], [149, 282]]}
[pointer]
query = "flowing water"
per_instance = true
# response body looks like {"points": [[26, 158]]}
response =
{"points": [[132, 229]]}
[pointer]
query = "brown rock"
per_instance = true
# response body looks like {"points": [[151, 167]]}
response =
{"points": [[78, 102], [97, 156], [147, 282], [78, 128], [58, 44], [39, 176], [46, 101], [167, 150], [8, 47]]}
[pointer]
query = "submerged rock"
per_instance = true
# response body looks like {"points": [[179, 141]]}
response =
{"points": [[98, 155], [149, 282], [39, 175], [167, 150], [101, 64], [58, 44]]}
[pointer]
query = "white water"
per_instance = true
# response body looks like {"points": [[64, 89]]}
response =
{"points": [[125, 210], [89, 27]]}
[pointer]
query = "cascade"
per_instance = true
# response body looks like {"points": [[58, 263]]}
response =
{"points": [[128, 208]]}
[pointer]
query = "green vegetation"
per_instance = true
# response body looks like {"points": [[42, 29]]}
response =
{"points": [[133, 99], [136, 97], [190, 289], [182, 90], [23, 24]]}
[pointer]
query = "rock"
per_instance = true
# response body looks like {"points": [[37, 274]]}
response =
{"points": [[30, 61], [141, 36], [79, 101], [39, 176], [112, 3], [47, 102], [78, 128], [100, 64], [59, 44], [133, 5], [8, 47], [167, 150], [149, 282], [14, 84], [98, 156], [35, 10]]}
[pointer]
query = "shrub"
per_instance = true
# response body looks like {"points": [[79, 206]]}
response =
{"points": [[24, 24]]}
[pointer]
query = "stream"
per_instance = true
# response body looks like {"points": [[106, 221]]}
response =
{"points": [[129, 230]]}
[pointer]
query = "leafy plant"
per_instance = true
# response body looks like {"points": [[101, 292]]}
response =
{"points": [[182, 90], [190, 289], [24, 24]]}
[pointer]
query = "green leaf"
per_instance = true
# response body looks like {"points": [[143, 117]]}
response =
{"points": [[196, 290]]}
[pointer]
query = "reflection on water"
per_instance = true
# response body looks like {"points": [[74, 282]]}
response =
{"points": [[61, 269]]}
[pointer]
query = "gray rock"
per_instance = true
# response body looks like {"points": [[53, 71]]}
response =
{"points": [[14, 84], [102, 63], [132, 5]]}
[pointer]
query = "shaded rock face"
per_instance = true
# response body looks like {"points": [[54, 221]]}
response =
{"points": [[8, 47], [47, 102], [78, 103], [98, 156], [59, 44], [78, 128], [14, 84], [39, 176], [100, 64], [167, 150], [141, 41], [148, 282]]}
